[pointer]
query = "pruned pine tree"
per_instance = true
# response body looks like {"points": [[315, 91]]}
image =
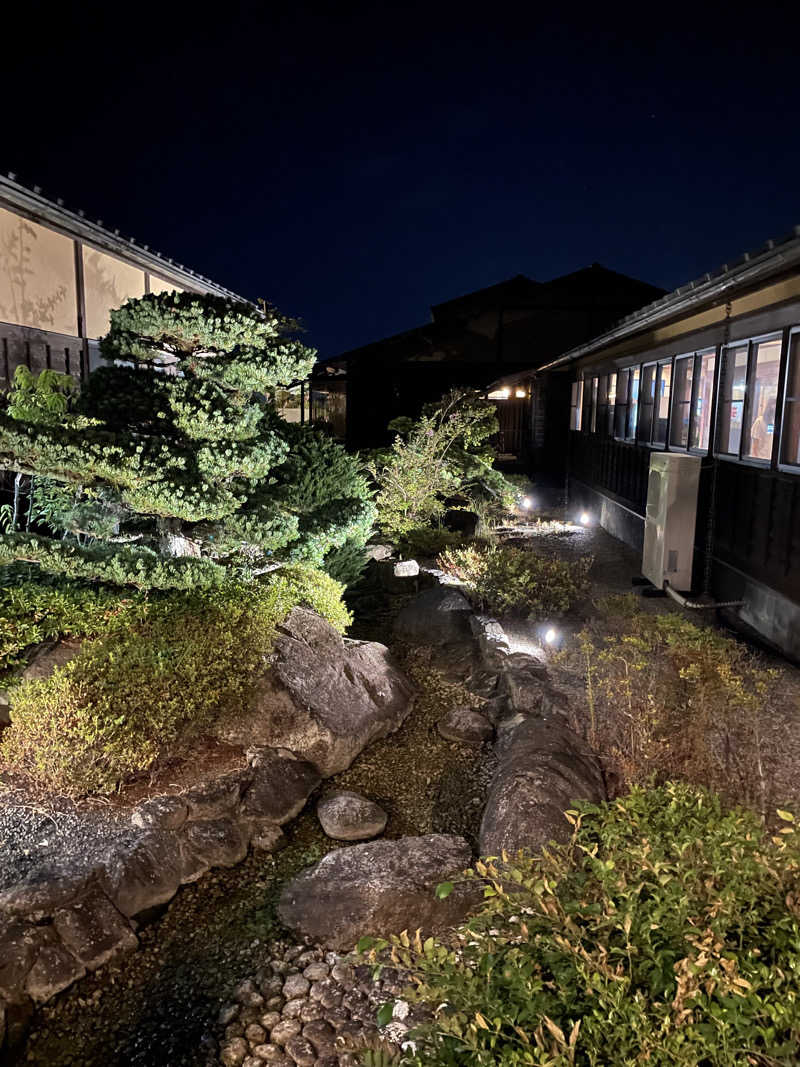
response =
{"points": [[171, 468]]}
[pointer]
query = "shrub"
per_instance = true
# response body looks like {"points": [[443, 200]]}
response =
{"points": [[32, 612], [429, 541], [162, 674], [667, 932], [670, 698], [510, 580]]}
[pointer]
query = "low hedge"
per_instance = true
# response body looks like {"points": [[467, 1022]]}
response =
{"points": [[161, 674], [666, 932]]}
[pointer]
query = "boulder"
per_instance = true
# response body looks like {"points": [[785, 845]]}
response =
{"points": [[49, 656], [325, 698], [145, 875], [19, 946], [378, 552], [464, 724], [395, 576], [219, 796], [347, 816], [166, 812], [94, 931], [436, 616], [53, 970], [543, 768], [381, 887], [280, 787], [212, 843]]}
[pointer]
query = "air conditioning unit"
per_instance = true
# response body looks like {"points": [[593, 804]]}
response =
{"points": [[670, 521]]}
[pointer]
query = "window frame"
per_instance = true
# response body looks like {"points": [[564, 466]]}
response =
{"points": [[697, 358], [576, 406], [750, 343], [783, 398]]}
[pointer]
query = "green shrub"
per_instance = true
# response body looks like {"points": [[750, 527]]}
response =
{"points": [[163, 673], [510, 580], [667, 932], [34, 611], [429, 541], [668, 698]]}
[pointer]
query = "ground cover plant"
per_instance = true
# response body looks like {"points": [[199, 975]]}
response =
{"points": [[163, 672], [668, 697], [666, 932], [170, 469], [508, 580]]}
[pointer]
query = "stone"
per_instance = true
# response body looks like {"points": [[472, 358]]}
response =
{"points": [[543, 768], [347, 816], [166, 813], [263, 834], [280, 786], [246, 991], [53, 970], [49, 656], [405, 568], [316, 971], [459, 520], [493, 643], [301, 1051], [52, 888], [144, 876], [233, 1052], [464, 724], [378, 552], [325, 698], [295, 986], [214, 843], [94, 931], [381, 887], [437, 616], [228, 1014], [310, 1011], [321, 1036], [215, 798], [269, 1019], [19, 945], [284, 1031], [255, 1034], [293, 1008], [273, 1055]]}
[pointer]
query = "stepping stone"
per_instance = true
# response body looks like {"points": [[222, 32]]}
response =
{"points": [[347, 816], [464, 724]]}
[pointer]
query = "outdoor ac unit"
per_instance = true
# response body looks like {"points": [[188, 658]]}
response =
{"points": [[669, 525]]}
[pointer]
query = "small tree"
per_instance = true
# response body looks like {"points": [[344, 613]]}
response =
{"points": [[171, 468]]}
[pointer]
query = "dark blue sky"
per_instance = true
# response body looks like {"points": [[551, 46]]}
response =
{"points": [[354, 164]]}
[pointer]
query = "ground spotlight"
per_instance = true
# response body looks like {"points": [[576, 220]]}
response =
{"points": [[550, 635], [585, 519], [526, 503]]}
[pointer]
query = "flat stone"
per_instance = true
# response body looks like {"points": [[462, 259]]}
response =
{"points": [[381, 887], [347, 816], [144, 876], [215, 842], [94, 931], [19, 945], [406, 568], [53, 970], [165, 813], [464, 724]]}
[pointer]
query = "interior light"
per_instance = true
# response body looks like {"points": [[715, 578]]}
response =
{"points": [[520, 393], [551, 636], [499, 394], [586, 518]]}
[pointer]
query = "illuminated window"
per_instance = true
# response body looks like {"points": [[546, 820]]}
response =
{"points": [[593, 421], [633, 404], [762, 394], [647, 394], [37, 276], [731, 404], [611, 398], [621, 404], [682, 402], [704, 368], [661, 407], [499, 394], [576, 406], [790, 433], [108, 283]]}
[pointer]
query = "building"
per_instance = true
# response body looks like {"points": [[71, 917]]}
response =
{"points": [[60, 276], [469, 341], [711, 370]]}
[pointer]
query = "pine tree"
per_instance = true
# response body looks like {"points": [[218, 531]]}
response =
{"points": [[171, 468]]}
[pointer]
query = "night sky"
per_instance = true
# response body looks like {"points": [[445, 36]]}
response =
{"points": [[355, 164]]}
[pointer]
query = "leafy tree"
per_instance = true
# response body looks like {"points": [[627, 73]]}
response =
{"points": [[171, 468]]}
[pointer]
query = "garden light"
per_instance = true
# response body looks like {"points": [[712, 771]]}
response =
{"points": [[586, 518], [551, 636], [526, 503]]}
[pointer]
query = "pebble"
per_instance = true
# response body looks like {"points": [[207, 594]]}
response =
{"points": [[302, 1051], [295, 986], [286, 1029]]}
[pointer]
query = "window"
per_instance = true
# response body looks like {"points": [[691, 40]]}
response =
{"points": [[576, 406], [762, 393], [593, 423], [611, 396], [602, 404], [633, 404], [790, 433], [37, 276], [661, 407], [682, 402], [621, 404], [158, 285], [647, 394], [704, 367], [749, 391]]}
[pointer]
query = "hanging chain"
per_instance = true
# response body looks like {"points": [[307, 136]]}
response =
{"points": [[712, 493]]}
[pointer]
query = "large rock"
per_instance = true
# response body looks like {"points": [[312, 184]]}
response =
{"points": [[146, 875], [347, 816], [325, 698], [49, 656], [94, 931], [436, 616], [381, 887], [543, 768], [464, 724], [281, 785]]}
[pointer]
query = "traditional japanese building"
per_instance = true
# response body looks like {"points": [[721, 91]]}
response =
{"points": [[60, 276], [711, 371]]}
